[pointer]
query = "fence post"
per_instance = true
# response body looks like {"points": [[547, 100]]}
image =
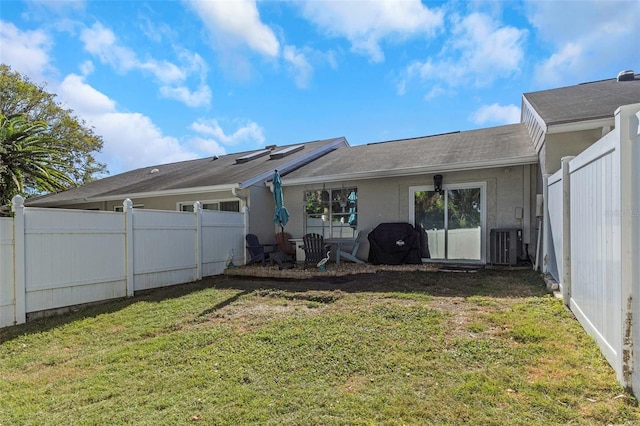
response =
{"points": [[635, 252], [628, 127], [19, 261], [197, 210], [128, 244], [546, 225], [566, 230]]}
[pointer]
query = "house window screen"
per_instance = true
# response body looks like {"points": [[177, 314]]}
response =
{"points": [[332, 213], [225, 206]]}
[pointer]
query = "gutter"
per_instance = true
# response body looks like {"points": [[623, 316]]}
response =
{"points": [[241, 197], [378, 174], [120, 197]]}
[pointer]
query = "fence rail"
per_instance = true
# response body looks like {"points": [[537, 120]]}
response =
{"points": [[55, 258]]}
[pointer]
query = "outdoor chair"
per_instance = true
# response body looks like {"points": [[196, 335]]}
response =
{"points": [[283, 240], [259, 252], [349, 250], [314, 249]]}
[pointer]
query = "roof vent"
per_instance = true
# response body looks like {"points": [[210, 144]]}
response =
{"points": [[286, 151], [271, 147], [627, 75], [214, 158], [252, 156], [154, 171]]}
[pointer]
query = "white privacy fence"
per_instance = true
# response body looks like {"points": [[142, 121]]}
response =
{"points": [[554, 201], [593, 208], [53, 258]]}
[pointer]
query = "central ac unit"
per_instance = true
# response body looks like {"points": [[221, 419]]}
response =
{"points": [[506, 246]]}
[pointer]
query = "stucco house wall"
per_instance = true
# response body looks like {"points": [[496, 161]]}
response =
{"points": [[560, 145], [387, 200]]}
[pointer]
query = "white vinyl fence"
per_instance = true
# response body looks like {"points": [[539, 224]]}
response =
{"points": [[7, 296], [596, 241], [54, 258], [554, 201]]}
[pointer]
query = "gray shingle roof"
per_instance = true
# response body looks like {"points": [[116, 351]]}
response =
{"points": [[588, 101], [461, 150], [204, 172]]}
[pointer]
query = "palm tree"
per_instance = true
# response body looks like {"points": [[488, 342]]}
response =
{"points": [[27, 159]]}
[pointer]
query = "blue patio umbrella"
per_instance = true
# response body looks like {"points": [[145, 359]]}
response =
{"points": [[281, 215]]}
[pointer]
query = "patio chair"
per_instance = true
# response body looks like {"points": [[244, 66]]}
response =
{"points": [[284, 244], [259, 252], [314, 249], [348, 251]]}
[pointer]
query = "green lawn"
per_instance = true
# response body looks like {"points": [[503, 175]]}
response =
{"points": [[393, 348]]}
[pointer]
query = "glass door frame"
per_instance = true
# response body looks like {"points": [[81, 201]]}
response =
{"points": [[483, 215]]}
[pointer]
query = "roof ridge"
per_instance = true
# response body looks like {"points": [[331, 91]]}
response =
{"points": [[414, 138]]}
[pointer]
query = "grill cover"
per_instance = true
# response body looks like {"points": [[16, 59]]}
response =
{"points": [[394, 244]]}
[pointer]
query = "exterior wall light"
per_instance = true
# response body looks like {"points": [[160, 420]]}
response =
{"points": [[437, 184]]}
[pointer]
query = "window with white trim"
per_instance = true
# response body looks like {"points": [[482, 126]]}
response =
{"points": [[223, 205], [121, 208], [332, 213]]}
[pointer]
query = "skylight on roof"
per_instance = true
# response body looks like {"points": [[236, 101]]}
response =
{"points": [[252, 156], [286, 151]]}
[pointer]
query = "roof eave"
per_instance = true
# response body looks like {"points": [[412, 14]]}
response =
{"points": [[576, 126], [150, 194], [379, 174]]}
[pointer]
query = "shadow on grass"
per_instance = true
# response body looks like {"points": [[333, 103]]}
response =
{"points": [[487, 283], [76, 313]]}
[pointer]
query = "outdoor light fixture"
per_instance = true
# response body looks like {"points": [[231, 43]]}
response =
{"points": [[437, 184]]}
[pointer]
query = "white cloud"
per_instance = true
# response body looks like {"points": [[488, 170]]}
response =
{"points": [[87, 68], [496, 114], [589, 39], [367, 23], [479, 50], [102, 42], [234, 23], [25, 51], [199, 97], [207, 146], [299, 66], [248, 133], [131, 140]]}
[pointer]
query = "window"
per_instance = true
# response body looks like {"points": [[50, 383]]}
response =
{"points": [[225, 206], [332, 213], [121, 208]]}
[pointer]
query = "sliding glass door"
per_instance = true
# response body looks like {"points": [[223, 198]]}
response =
{"points": [[453, 220]]}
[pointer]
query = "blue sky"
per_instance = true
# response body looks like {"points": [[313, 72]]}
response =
{"points": [[165, 81]]}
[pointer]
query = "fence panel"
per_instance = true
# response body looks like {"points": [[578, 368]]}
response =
{"points": [[7, 288], [221, 233], [595, 245], [164, 245], [72, 257], [556, 212]]}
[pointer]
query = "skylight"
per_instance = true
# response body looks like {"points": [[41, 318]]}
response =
{"points": [[252, 156], [286, 151]]}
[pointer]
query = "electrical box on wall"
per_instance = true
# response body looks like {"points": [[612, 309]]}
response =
{"points": [[539, 205], [519, 212]]}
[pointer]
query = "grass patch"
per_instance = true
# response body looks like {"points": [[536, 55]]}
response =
{"points": [[397, 348]]}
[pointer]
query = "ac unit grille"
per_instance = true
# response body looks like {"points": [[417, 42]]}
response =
{"points": [[506, 246]]}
